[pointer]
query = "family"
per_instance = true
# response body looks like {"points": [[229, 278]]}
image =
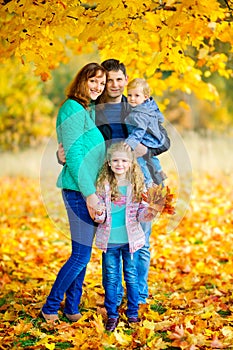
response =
{"points": [[108, 145]]}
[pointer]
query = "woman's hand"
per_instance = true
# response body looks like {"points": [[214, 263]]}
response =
{"points": [[94, 206]]}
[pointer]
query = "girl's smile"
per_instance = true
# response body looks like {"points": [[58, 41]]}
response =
{"points": [[120, 164]]}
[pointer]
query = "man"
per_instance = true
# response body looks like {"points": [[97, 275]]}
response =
{"points": [[111, 111], [110, 121]]}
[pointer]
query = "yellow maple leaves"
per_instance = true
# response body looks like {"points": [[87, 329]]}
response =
{"points": [[147, 36]]}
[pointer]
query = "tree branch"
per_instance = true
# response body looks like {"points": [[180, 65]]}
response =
{"points": [[229, 7]]}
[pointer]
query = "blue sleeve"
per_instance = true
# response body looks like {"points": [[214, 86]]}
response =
{"points": [[137, 129]]}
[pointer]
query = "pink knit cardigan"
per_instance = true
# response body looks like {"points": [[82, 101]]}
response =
{"points": [[135, 213]]}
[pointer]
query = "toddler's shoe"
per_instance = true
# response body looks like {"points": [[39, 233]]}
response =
{"points": [[111, 324], [159, 177]]}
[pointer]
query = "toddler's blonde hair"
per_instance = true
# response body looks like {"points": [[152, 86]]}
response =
{"points": [[134, 175], [139, 82]]}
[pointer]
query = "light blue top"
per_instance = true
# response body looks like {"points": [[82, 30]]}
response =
{"points": [[118, 233]]}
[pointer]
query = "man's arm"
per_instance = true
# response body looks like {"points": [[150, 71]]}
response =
{"points": [[61, 154]]}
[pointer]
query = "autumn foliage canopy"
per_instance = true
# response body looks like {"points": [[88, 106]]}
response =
{"points": [[178, 46], [182, 41]]}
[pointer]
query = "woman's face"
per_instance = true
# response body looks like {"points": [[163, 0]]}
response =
{"points": [[96, 85]]}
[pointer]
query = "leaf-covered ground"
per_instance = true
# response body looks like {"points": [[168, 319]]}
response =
{"points": [[190, 280]]}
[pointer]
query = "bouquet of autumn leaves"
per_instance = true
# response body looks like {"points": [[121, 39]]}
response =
{"points": [[160, 199]]}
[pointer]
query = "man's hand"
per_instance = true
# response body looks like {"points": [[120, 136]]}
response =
{"points": [[61, 154], [140, 150], [127, 147]]}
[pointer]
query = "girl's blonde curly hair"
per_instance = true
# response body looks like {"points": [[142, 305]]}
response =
{"points": [[134, 174]]}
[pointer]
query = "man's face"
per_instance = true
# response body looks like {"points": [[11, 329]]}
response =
{"points": [[115, 85]]}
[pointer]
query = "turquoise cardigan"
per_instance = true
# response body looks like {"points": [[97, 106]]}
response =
{"points": [[84, 147]]}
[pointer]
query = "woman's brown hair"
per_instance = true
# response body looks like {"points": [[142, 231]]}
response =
{"points": [[78, 89]]}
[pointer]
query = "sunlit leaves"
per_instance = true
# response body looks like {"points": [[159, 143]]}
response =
{"points": [[147, 36], [190, 279]]}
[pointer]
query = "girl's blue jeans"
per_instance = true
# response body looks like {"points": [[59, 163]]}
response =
{"points": [[70, 278], [111, 269], [142, 260]]}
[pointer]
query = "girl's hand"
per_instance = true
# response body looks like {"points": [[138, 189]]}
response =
{"points": [[94, 206], [150, 214]]}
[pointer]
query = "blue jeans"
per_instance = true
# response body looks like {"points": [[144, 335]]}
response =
{"points": [[142, 263], [111, 263], [70, 278], [155, 164]]}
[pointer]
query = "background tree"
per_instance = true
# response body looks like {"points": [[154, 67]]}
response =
{"points": [[25, 113]]}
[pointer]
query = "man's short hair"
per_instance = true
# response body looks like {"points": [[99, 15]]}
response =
{"points": [[115, 65]]}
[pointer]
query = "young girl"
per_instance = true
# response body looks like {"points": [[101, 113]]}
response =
{"points": [[120, 186]]}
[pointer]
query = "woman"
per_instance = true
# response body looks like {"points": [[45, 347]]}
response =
{"points": [[84, 150]]}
